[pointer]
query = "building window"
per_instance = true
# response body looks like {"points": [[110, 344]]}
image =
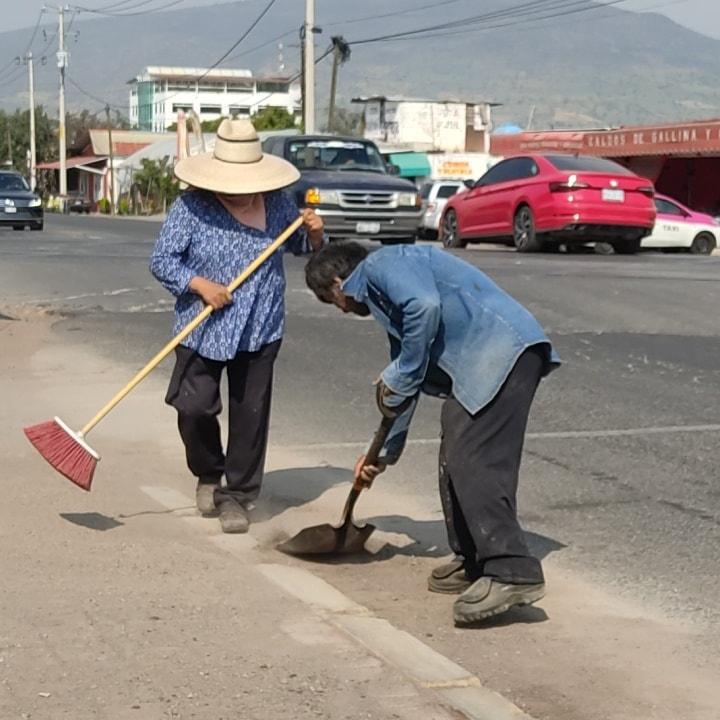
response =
{"points": [[211, 87], [179, 106], [273, 87], [246, 87], [176, 86], [237, 110], [210, 109]]}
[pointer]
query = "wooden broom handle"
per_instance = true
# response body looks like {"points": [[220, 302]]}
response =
{"points": [[234, 285]]}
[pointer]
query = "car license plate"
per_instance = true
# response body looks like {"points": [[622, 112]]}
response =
{"points": [[368, 228], [613, 195], [10, 209]]}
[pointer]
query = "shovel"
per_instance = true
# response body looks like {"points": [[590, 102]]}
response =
{"points": [[348, 538]]}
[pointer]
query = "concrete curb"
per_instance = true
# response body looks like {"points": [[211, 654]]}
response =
{"points": [[456, 688], [427, 668]]}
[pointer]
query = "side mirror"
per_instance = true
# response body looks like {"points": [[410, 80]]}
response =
{"points": [[393, 169], [470, 184]]}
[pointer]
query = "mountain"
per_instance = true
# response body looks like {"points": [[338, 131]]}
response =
{"points": [[602, 67]]}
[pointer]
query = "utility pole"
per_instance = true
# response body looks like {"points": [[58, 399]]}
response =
{"points": [[111, 169], [333, 87], [302, 75], [62, 60], [31, 88], [309, 63], [341, 54]]}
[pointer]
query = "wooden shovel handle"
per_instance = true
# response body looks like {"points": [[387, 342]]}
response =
{"points": [[373, 452], [234, 285]]}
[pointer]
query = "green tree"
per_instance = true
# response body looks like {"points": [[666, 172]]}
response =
{"points": [[156, 185], [15, 138], [273, 118], [269, 118], [78, 126]]}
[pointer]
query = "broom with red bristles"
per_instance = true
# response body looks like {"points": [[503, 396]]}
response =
{"points": [[66, 450]]}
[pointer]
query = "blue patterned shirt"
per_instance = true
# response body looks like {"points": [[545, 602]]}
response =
{"points": [[200, 237]]}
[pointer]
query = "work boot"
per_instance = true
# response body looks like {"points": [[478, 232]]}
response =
{"points": [[205, 498], [452, 578], [233, 517], [487, 597]]}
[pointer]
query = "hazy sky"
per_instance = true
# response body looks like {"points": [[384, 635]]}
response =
{"points": [[701, 15]]}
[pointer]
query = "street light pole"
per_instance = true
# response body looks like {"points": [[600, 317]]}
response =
{"points": [[62, 64], [31, 88], [309, 56]]}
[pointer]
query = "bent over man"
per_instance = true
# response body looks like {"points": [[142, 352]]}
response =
{"points": [[455, 334]]}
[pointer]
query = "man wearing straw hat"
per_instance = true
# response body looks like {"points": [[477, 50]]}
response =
{"points": [[232, 212]]}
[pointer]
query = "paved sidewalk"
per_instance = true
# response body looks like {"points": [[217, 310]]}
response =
{"points": [[123, 603]]}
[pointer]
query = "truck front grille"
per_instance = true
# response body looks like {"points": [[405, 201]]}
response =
{"points": [[372, 199]]}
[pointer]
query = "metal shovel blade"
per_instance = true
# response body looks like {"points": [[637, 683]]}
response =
{"points": [[348, 538], [328, 540]]}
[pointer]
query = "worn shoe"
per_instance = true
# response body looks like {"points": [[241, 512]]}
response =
{"points": [[487, 597], [205, 498], [233, 518], [451, 578]]}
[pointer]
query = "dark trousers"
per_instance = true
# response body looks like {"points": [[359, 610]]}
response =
{"points": [[479, 466], [195, 393]]}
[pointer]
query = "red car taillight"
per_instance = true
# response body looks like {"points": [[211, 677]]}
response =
{"points": [[567, 187]]}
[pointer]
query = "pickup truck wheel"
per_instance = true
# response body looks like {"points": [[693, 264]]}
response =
{"points": [[451, 232], [703, 244], [524, 233]]}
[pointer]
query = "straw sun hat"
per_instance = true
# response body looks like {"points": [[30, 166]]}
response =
{"points": [[237, 165]]}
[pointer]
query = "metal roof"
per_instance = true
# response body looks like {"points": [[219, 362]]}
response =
{"points": [[173, 72], [402, 98]]}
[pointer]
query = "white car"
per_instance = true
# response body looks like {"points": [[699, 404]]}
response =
{"points": [[435, 196], [679, 227]]}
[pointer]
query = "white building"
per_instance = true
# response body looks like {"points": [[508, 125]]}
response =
{"points": [[158, 93], [452, 126]]}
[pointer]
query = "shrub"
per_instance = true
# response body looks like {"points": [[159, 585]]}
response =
{"points": [[104, 206]]}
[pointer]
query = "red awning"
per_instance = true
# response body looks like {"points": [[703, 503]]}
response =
{"points": [[685, 139]]}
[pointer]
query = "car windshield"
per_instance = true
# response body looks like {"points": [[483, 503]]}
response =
{"points": [[13, 182], [583, 163], [335, 155]]}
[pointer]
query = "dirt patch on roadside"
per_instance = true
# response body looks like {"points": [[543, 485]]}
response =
{"points": [[579, 654]]}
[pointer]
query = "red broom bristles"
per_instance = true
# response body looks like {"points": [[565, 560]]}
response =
{"points": [[63, 452]]}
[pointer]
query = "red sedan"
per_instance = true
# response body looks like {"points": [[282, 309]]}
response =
{"points": [[536, 201]]}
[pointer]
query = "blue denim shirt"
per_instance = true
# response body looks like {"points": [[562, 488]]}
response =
{"points": [[452, 329], [200, 237]]}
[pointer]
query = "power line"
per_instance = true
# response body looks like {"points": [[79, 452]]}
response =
{"points": [[121, 13], [564, 13], [34, 32], [27, 49], [247, 32], [528, 9], [265, 44], [395, 13]]}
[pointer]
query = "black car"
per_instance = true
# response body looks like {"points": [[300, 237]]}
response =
{"points": [[20, 207], [78, 203], [346, 181]]}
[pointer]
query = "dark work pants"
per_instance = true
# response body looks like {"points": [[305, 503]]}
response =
{"points": [[479, 466], [195, 393]]}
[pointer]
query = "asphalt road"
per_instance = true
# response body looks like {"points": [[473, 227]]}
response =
{"points": [[620, 480]]}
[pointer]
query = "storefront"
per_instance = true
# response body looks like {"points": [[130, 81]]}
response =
{"points": [[682, 160]]}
